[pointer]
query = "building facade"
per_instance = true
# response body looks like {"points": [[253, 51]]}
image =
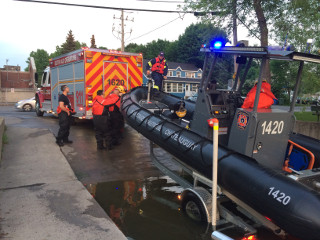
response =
{"points": [[183, 79]]}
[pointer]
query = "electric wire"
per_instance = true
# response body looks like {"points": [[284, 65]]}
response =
{"points": [[130, 40], [109, 8]]}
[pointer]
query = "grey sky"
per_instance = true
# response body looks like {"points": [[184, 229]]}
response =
{"points": [[28, 26]]}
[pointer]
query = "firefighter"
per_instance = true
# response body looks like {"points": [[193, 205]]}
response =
{"points": [[100, 121], [64, 111], [159, 68], [116, 118], [266, 98]]}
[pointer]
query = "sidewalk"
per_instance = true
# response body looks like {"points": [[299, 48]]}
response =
{"points": [[40, 197]]}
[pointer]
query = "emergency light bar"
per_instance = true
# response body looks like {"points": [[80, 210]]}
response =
{"points": [[232, 48]]}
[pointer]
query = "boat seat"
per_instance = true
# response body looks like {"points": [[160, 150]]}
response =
{"points": [[154, 106]]}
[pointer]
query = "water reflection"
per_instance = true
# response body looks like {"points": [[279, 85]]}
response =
{"points": [[150, 209], [147, 209]]}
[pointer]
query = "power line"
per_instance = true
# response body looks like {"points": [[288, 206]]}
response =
{"points": [[110, 8], [130, 40], [162, 1]]}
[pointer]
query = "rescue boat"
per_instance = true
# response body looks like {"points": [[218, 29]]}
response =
{"points": [[261, 161]]}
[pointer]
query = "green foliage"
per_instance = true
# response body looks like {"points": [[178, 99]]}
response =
{"points": [[305, 116], [299, 20], [41, 58], [186, 49], [283, 78], [310, 79], [68, 46]]}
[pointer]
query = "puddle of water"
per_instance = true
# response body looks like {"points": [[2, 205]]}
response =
{"points": [[150, 209]]}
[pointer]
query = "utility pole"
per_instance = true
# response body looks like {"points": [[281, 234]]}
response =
{"points": [[234, 30], [120, 33], [122, 30]]}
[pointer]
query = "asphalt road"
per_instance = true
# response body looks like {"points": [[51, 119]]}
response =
{"points": [[130, 160]]}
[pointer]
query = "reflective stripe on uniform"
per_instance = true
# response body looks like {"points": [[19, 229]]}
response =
{"points": [[150, 64], [156, 87]]}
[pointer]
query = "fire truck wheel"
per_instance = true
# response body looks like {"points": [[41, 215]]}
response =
{"points": [[38, 111], [193, 207]]}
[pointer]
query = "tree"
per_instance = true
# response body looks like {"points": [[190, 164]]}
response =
{"points": [[256, 15], [189, 43], [93, 42], [41, 58], [298, 21], [70, 44]]}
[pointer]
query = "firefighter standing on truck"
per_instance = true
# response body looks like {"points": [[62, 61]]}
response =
{"points": [[159, 68], [116, 118], [64, 112], [101, 122]]}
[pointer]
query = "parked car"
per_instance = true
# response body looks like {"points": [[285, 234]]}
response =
{"points": [[26, 105]]}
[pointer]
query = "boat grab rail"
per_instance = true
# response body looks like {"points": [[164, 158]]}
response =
{"points": [[293, 144]]}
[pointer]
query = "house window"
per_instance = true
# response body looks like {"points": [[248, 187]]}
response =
{"points": [[170, 74], [190, 75], [199, 75], [180, 87], [195, 87], [174, 87], [168, 87], [179, 74]]}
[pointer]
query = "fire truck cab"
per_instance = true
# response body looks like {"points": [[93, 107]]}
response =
{"points": [[85, 71]]}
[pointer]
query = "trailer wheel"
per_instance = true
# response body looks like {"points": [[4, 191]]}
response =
{"points": [[38, 111], [193, 207]]}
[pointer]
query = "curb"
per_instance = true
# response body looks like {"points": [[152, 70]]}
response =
{"points": [[2, 127]]}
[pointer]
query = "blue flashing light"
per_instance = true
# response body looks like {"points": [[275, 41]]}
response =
{"points": [[217, 44]]}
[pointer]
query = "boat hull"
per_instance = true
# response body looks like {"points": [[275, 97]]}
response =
{"points": [[286, 202]]}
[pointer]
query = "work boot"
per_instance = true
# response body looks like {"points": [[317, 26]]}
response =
{"points": [[59, 142], [67, 141], [100, 146]]}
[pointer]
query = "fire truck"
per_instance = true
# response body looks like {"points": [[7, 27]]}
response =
{"points": [[85, 71]]}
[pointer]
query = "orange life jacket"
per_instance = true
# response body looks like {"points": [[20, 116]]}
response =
{"points": [[266, 98], [98, 105], [114, 101], [159, 66]]}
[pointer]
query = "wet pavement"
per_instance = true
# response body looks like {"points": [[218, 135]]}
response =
{"points": [[138, 198]]}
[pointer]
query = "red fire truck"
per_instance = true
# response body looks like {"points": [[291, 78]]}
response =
{"points": [[85, 71]]}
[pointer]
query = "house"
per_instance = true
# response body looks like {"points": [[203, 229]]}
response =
{"points": [[183, 79]]}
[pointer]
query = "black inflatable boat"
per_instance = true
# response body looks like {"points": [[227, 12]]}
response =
{"points": [[273, 172]]}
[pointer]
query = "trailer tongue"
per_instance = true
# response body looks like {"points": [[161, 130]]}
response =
{"points": [[255, 168]]}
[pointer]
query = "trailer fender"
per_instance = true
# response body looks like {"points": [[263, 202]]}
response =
{"points": [[200, 198]]}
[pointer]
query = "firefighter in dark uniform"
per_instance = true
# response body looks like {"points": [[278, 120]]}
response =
{"points": [[159, 68], [116, 118], [64, 111], [101, 121]]}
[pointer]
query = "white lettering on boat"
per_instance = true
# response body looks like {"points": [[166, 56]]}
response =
{"points": [[182, 140]]}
